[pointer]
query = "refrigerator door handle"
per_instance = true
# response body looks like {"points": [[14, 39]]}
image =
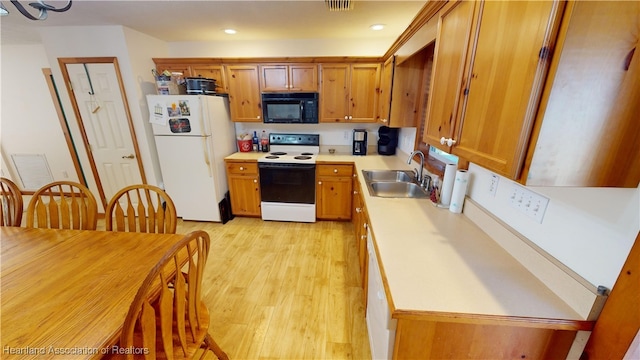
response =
{"points": [[205, 151], [203, 113]]}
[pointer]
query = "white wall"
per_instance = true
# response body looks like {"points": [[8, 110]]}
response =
{"points": [[29, 123], [591, 230], [133, 51], [336, 135]]}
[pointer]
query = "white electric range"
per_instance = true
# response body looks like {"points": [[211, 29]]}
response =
{"points": [[287, 177]]}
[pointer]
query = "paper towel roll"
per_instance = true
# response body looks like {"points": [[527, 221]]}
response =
{"points": [[459, 191], [447, 184]]}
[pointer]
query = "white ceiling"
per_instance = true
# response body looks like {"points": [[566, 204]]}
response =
{"points": [[178, 21]]}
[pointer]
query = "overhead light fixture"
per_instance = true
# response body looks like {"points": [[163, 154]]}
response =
{"points": [[376, 27], [230, 31], [38, 5], [339, 5]]}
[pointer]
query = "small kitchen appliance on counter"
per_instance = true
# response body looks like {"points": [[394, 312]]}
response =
{"points": [[387, 140], [359, 142], [287, 178], [200, 86]]}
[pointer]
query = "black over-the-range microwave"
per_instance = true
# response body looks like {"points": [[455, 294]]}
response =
{"points": [[290, 108]]}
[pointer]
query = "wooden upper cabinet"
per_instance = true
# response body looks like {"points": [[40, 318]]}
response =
{"points": [[215, 72], [455, 25], [487, 109], [334, 92], [291, 77], [386, 84], [244, 93], [588, 129], [505, 81], [365, 85], [349, 92]]}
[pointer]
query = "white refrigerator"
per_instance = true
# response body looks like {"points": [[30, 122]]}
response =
{"points": [[193, 134]]}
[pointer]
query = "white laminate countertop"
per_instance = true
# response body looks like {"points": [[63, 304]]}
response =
{"points": [[436, 261]]}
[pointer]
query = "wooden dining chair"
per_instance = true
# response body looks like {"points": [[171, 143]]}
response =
{"points": [[11, 206], [63, 205], [167, 317], [141, 208]]}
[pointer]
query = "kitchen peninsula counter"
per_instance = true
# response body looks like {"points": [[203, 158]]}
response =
{"points": [[436, 263]]}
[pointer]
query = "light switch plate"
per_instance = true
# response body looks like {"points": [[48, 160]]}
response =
{"points": [[493, 185], [528, 202]]}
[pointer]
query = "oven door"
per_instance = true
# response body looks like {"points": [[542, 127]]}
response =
{"points": [[287, 183]]}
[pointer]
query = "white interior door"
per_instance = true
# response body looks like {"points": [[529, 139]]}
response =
{"points": [[97, 93]]}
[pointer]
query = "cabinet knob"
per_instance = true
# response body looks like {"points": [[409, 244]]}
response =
{"points": [[358, 210], [350, 117], [447, 141], [241, 168], [258, 117], [319, 182], [335, 171], [255, 180], [346, 117], [384, 120], [355, 192]]}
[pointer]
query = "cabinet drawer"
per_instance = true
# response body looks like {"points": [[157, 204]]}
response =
{"points": [[242, 168], [335, 170]]}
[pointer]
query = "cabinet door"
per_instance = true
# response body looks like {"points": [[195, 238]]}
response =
{"points": [[588, 123], [365, 84], [244, 93], [334, 93], [333, 200], [386, 83], [245, 195], [211, 72], [274, 78], [454, 31], [303, 77], [507, 72]]}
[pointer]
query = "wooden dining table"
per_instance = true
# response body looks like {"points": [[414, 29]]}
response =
{"points": [[65, 293]]}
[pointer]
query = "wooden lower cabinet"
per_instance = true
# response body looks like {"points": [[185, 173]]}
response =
{"points": [[333, 191], [244, 187], [425, 339], [360, 222]]}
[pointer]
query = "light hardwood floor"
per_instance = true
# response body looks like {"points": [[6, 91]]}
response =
{"points": [[280, 290]]}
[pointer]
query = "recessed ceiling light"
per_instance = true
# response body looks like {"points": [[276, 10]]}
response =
{"points": [[229, 31], [376, 27]]}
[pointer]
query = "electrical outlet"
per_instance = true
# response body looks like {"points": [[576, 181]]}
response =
{"points": [[528, 202], [493, 186]]}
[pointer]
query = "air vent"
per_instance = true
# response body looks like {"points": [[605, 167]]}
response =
{"points": [[339, 5]]}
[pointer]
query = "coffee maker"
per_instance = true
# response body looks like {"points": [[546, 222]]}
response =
{"points": [[387, 140], [359, 142]]}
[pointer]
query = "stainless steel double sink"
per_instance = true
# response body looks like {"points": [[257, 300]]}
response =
{"points": [[393, 184]]}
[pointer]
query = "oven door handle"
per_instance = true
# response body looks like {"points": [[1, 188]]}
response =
{"points": [[263, 165]]}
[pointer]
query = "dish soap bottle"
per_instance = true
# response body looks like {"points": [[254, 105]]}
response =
{"points": [[264, 142], [254, 140]]}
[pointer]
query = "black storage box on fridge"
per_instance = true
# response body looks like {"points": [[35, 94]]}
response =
{"points": [[387, 140]]}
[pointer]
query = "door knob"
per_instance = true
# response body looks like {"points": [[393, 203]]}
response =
{"points": [[130, 156]]}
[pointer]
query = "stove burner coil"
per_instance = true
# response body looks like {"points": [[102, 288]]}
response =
{"points": [[278, 153], [301, 157]]}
